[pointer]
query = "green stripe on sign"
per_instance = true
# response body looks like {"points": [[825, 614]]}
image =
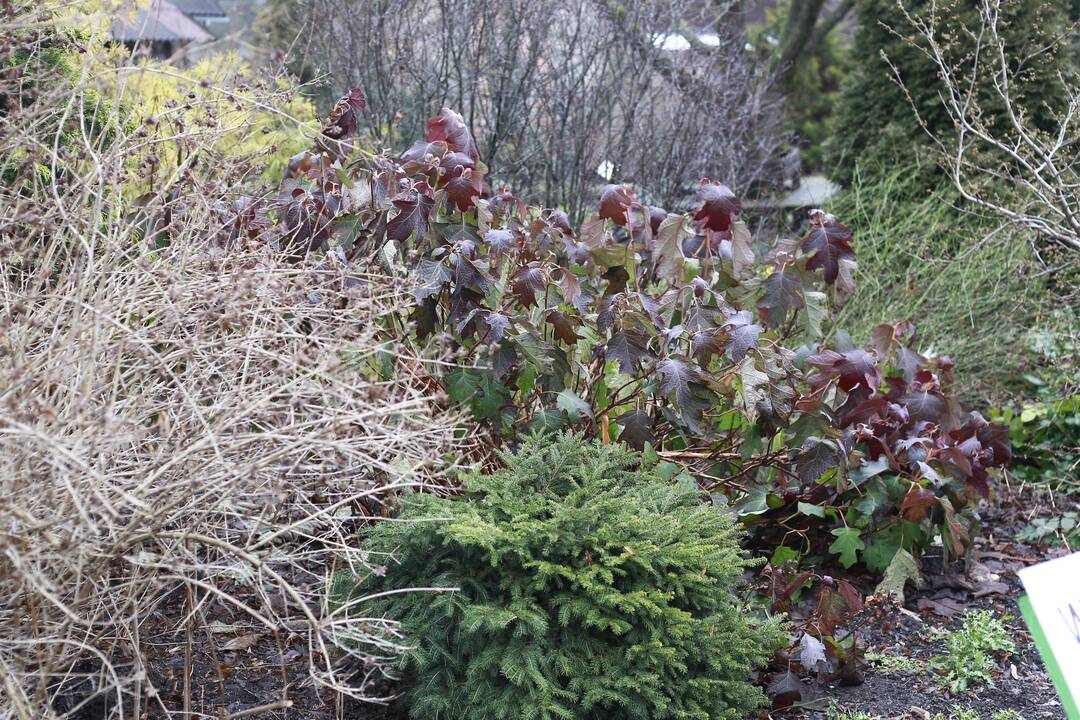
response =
{"points": [[1049, 660]]}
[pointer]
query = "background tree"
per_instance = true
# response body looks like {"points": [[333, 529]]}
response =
{"points": [[807, 24], [949, 124], [555, 90], [810, 54], [893, 75]]}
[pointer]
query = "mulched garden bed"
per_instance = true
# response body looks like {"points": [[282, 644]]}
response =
{"points": [[236, 668], [898, 681]]}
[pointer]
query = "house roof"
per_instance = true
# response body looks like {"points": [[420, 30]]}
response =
{"points": [[162, 21], [200, 8]]}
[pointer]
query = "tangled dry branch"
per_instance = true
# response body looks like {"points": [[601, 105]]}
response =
{"points": [[179, 427]]}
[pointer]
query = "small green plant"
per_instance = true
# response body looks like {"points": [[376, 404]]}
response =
{"points": [[968, 658], [1007, 715], [836, 712], [893, 663], [958, 713], [583, 586], [1063, 528], [1046, 435]]}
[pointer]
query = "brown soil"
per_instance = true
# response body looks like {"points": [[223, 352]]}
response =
{"points": [[235, 668]]}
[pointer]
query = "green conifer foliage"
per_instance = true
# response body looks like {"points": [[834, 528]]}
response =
{"points": [[875, 124], [589, 588]]}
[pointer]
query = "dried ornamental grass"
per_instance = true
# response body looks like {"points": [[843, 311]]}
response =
{"points": [[180, 427]]}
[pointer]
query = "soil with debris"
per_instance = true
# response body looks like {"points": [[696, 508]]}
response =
{"points": [[235, 669], [239, 671], [898, 681]]}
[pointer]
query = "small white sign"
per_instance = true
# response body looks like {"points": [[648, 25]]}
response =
{"points": [[1053, 587]]}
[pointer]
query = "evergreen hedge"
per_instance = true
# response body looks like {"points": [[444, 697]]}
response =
{"points": [[875, 125], [587, 588]]}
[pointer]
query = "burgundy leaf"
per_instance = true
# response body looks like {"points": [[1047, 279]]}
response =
{"points": [[866, 412], [500, 240], [888, 335], [676, 375], [924, 405], [852, 368], [851, 597], [414, 209], [636, 429], [425, 317], [718, 206], [561, 220], [996, 437], [463, 301], [605, 318], [782, 594], [702, 317], [497, 325], [344, 121], [456, 163], [433, 275], [463, 189], [307, 226], [565, 326], [425, 152], [785, 690], [527, 283], [816, 457], [503, 205], [783, 293], [743, 334], [450, 128], [980, 482], [829, 612], [917, 503], [707, 343], [467, 275], [829, 242], [614, 200], [627, 348], [572, 292], [656, 216], [955, 461]]}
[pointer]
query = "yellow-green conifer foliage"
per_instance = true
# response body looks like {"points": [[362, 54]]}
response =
{"points": [[586, 587], [266, 118]]}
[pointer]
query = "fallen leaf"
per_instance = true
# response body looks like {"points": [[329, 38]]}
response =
{"points": [[902, 569], [218, 627], [944, 607], [952, 581], [812, 654], [242, 642], [979, 572], [785, 690], [991, 587]]}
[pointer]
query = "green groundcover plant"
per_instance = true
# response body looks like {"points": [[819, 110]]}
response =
{"points": [[969, 659], [586, 587]]}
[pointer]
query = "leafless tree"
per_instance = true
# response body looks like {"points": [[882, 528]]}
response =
{"points": [[807, 24], [997, 158], [556, 89]]}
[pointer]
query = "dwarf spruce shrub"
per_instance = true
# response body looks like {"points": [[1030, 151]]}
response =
{"points": [[587, 589]]}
